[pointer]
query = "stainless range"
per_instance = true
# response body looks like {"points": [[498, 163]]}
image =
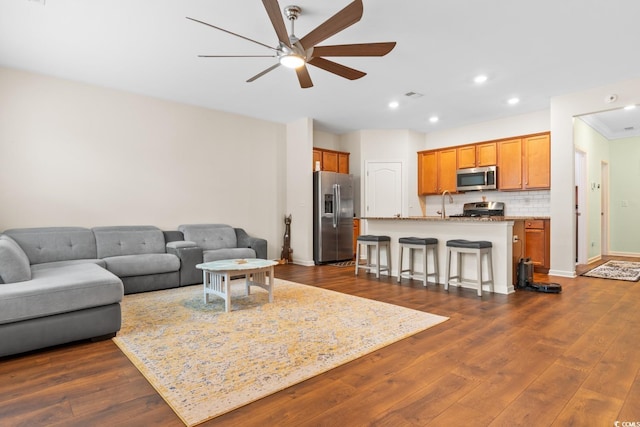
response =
{"points": [[481, 210]]}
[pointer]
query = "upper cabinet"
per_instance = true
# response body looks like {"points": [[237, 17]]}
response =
{"points": [[331, 160], [437, 171], [537, 162], [510, 164], [477, 155], [524, 163]]}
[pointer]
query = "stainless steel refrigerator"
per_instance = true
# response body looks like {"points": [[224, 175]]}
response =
{"points": [[332, 217]]}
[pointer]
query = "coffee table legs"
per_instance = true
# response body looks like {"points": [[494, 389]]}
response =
{"points": [[217, 283], [259, 278]]}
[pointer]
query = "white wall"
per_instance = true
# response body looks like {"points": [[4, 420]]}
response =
{"points": [[624, 196], [563, 110], [75, 154], [299, 189], [596, 148], [523, 124]]}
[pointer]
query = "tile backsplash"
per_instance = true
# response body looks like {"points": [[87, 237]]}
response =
{"points": [[516, 203]]}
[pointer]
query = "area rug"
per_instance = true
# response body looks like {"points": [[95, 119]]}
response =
{"points": [[205, 362], [616, 270], [343, 264]]}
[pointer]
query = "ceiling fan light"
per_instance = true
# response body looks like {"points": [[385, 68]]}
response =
{"points": [[292, 60]]}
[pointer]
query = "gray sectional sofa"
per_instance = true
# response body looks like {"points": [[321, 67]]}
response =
{"points": [[63, 284]]}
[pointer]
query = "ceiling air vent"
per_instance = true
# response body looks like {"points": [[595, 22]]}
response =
{"points": [[629, 128], [413, 95]]}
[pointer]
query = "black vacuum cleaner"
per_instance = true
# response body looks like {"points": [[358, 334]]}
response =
{"points": [[525, 279]]}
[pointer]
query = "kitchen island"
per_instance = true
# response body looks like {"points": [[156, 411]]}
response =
{"points": [[497, 230]]}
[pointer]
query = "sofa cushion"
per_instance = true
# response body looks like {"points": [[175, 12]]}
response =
{"points": [[231, 253], [14, 264], [59, 290], [141, 265], [44, 265], [128, 240], [210, 236], [50, 244]]}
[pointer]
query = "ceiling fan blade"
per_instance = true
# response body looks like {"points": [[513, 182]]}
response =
{"points": [[338, 22], [233, 34], [273, 10], [236, 56], [262, 73], [335, 68], [363, 49], [303, 77]]}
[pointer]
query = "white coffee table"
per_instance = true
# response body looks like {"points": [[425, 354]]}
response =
{"points": [[216, 275]]}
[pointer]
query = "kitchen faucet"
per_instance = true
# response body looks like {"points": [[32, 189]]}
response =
{"points": [[442, 212]]}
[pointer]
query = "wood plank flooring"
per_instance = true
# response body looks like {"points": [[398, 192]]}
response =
{"points": [[524, 359]]}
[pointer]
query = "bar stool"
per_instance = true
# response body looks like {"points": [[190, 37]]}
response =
{"points": [[377, 242], [421, 244], [462, 247]]}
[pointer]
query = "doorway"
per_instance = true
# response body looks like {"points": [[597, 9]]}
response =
{"points": [[581, 207], [604, 203]]}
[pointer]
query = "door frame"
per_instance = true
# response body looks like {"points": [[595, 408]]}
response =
{"points": [[582, 241], [604, 208]]}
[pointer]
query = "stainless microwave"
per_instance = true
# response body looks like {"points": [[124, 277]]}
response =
{"points": [[473, 179]]}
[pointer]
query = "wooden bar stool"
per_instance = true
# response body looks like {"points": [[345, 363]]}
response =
{"points": [[477, 248], [377, 243], [421, 244]]}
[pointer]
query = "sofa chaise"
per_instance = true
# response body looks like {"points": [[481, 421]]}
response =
{"points": [[63, 284]]}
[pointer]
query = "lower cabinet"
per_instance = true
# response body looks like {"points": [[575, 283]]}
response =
{"points": [[531, 239], [537, 236]]}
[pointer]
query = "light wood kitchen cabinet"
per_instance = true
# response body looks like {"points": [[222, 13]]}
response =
{"points": [[510, 164], [427, 172], [525, 163], [447, 164], [331, 160], [467, 157], [537, 234], [317, 158], [437, 171], [477, 155], [537, 162], [486, 154]]}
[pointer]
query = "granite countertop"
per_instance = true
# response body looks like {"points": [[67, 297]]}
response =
{"points": [[465, 219]]}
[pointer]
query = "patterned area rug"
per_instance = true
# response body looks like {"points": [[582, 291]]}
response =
{"points": [[617, 270], [344, 264], [205, 362]]}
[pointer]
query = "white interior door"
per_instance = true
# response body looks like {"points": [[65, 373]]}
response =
{"points": [[383, 189]]}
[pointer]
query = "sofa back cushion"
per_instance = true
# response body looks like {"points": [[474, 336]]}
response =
{"points": [[51, 244], [129, 240], [14, 264], [210, 236]]}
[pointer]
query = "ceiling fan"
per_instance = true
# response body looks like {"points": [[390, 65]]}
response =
{"points": [[297, 53]]}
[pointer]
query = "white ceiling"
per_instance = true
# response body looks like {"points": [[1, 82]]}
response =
{"points": [[530, 49]]}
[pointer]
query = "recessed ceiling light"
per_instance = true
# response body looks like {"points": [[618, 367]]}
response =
{"points": [[394, 104], [434, 119], [513, 101], [480, 79], [629, 107]]}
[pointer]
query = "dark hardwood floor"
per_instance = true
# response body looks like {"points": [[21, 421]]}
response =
{"points": [[502, 360]]}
